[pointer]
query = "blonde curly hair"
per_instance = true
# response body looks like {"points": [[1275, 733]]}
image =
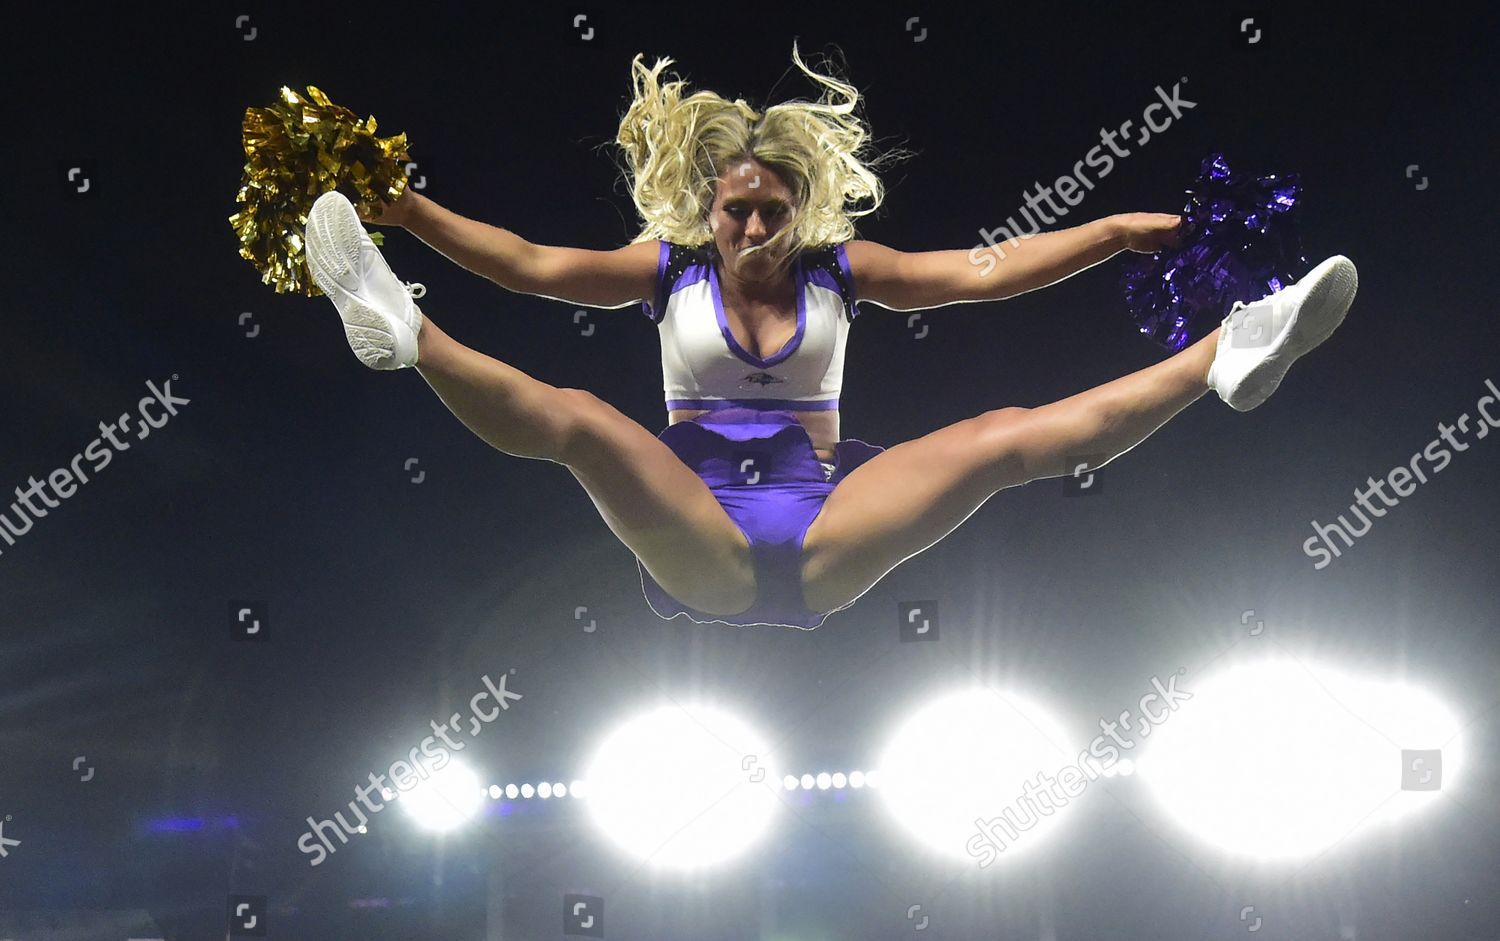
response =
{"points": [[676, 148]]}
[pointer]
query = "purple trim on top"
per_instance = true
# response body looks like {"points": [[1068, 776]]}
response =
{"points": [[649, 307], [791, 405], [734, 345], [822, 277], [843, 257]]}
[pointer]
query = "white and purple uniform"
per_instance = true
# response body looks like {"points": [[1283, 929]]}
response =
{"points": [[749, 448], [704, 366]]}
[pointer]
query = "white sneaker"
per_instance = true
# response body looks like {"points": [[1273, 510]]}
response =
{"points": [[1260, 341], [381, 321]]}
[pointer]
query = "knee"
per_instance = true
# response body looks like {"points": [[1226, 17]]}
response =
{"points": [[1004, 418], [579, 402], [582, 421], [1005, 427], [1008, 433]]}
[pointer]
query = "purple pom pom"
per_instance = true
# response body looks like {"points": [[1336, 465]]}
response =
{"points": [[1240, 242]]}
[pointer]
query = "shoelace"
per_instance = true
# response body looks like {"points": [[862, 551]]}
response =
{"points": [[1241, 305], [415, 290]]}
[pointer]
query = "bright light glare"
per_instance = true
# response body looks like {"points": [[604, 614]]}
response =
{"points": [[967, 756], [1282, 759], [676, 787], [445, 800]]}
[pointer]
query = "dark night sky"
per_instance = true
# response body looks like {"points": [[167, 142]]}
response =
{"points": [[283, 480]]}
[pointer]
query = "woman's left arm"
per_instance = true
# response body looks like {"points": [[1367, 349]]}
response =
{"points": [[921, 280]]}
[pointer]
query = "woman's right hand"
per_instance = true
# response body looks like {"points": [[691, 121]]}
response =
{"points": [[395, 213]]}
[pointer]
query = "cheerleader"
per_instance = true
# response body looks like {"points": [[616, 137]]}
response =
{"points": [[749, 507]]}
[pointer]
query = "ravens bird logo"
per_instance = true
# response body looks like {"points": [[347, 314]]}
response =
{"points": [[761, 379]]}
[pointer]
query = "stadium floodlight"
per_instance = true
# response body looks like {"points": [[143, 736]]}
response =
{"points": [[446, 799], [963, 774], [682, 787], [1283, 758]]}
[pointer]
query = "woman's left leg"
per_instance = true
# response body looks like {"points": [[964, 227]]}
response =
{"points": [[907, 498]]}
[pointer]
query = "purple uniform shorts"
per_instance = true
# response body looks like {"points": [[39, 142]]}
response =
{"points": [[761, 467]]}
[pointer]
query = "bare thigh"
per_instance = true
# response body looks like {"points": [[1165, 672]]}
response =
{"points": [[902, 501], [905, 499], [658, 508]]}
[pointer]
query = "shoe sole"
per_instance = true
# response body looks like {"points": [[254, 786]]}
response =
{"points": [[333, 244], [1322, 309], [334, 235]]}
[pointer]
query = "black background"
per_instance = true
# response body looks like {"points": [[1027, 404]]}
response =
{"points": [[284, 480]]}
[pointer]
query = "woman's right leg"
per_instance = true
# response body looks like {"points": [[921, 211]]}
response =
{"points": [[654, 503]]}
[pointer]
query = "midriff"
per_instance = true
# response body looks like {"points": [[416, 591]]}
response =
{"points": [[822, 427]]}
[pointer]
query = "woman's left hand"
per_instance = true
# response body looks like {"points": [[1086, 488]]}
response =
{"points": [[1149, 232]]}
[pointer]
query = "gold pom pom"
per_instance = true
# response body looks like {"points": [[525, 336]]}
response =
{"points": [[295, 151]]}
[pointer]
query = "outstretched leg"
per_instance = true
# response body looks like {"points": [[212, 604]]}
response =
{"points": [[659, 508], [904, 500], [654, 503]]}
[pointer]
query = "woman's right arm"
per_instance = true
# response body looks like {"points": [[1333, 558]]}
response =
{"points": [[580, 276]]}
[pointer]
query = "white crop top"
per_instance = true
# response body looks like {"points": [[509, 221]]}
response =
{"points": [[704, 366]]}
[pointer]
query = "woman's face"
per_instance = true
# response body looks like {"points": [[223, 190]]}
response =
{"points": [[750, 205]]}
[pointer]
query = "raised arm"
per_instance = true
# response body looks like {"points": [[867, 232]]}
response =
{"points": [[590, 278], [921, 280]]}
